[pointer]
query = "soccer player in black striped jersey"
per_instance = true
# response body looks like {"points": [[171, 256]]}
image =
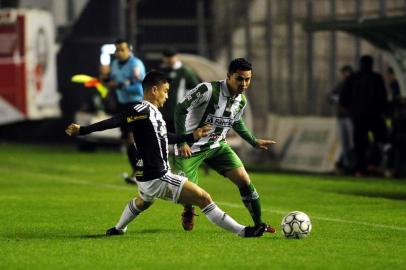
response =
{"points": [[146, 123]]}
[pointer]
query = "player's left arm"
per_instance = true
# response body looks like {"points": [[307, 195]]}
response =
{"points": [[245, 133]]}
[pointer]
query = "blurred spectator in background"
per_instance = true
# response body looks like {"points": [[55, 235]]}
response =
{"points": [[183, 78], [393, 85], [126, 75], [104, 74], [395, 106], [110, 102], [364, 96], [344, 164]]}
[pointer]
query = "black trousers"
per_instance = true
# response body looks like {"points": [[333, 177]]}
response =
{"points": [[362, 126]]}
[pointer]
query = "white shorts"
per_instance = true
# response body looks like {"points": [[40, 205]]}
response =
{"points": [[167, 187]]}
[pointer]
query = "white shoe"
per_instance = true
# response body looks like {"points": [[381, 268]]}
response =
{"points": [[129, 179]]}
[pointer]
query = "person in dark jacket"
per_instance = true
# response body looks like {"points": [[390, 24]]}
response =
{"points": [[344, 164], [183, 79], [364, 96]]}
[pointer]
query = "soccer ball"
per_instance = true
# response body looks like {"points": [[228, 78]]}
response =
{"points": [[296, 224]]}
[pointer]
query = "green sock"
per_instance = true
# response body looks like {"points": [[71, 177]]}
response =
{"points": [[250, 198]]}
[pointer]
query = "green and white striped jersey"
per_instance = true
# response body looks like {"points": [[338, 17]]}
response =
{"points": [[209, 103]]}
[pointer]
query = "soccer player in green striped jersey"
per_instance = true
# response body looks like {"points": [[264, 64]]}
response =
{"points": [[220, 104]]}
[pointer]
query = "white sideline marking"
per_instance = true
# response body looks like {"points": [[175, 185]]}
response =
{"points": [[114, 186], [326, 218]]}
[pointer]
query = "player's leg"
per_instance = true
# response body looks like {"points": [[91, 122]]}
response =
{"points": [[227, 163], [189, 168], [130, 212], [130, 147], [360, 146], [132, 155], [249, 194], [193, 194]]}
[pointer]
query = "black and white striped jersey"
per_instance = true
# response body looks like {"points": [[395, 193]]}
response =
{"points": [[146, 123]]}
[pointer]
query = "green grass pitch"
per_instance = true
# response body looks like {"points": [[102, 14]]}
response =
{"points": [[56, 203]]}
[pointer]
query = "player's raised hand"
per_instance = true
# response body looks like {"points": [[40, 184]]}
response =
{"points": [[201, 132], [73, 129], [185, 151], [264, 144]]}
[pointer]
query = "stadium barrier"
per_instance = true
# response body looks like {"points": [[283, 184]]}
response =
{"points": [[305, 143]]}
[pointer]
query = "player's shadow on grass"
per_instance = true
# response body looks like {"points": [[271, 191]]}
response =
{"points": [[19, 236], [147, 231], [93, 236], [152, 231]]}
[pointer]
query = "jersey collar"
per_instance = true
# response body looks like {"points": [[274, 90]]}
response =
{"points": [[150, 104], [224, 89]]}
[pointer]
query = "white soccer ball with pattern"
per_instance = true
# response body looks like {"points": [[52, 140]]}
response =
{"points": [[296, 224]]}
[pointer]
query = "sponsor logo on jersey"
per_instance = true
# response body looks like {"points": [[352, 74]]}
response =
{"points": [[215, 137], [135, 118], [216, 121]]}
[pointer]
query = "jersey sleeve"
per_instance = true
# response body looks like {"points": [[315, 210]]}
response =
{"points": [[239, 125], [194, 98], [174, 138], [244, 132], [113, 122], [140, 111]]}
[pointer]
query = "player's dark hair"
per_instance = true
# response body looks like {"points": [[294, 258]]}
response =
{"points": [[123, 40], [169, 52], [366, 63], [154, 78], [239, 64]]}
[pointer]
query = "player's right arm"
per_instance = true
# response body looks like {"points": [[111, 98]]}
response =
{"points": [[113, 122]]}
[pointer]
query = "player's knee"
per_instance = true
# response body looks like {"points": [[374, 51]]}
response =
{"points": [[204, 199], [141, 204], [239, 177]]}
